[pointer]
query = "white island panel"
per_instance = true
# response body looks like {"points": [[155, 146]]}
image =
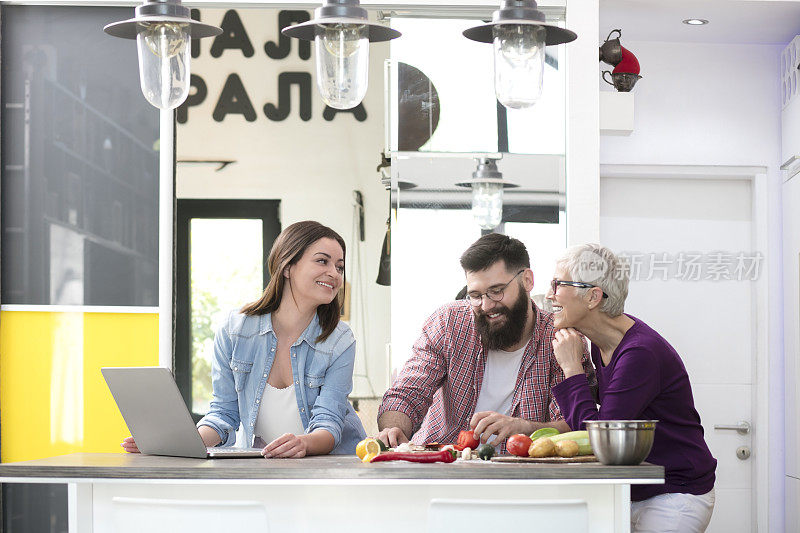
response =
{"points": [[332, 507]]}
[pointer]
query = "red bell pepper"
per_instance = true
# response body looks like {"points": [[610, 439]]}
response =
{"points": [[444, 456]]}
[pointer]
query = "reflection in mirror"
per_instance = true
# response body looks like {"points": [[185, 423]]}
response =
{"points": [[442, 121], [444, 99]]}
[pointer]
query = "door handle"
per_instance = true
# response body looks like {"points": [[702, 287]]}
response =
{"points": [[743, 427]]}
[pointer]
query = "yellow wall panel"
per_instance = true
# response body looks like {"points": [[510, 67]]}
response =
{"points": [[53, 398]]}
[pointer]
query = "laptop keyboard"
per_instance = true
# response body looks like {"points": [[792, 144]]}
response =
{"points": [[226, 450]]}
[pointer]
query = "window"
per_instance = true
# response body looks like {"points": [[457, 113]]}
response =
{"points": [[79, 163], [207, 287]]}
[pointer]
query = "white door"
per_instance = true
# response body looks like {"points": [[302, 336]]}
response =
{"points": [[791, 336], [691, 246]]}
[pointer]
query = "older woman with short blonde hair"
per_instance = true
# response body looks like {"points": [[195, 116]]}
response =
{"points": [[639, 376]]}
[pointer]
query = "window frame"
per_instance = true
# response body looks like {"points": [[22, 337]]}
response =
{"points": [[268, 211]]}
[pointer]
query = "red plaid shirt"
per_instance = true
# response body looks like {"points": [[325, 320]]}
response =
{"points": [[439, 385]]}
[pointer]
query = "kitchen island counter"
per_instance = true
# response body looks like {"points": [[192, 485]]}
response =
{"points": [[132, 492], [136, 466]]}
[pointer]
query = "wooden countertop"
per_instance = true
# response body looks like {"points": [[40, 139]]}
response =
{"points": [[134, 466]]}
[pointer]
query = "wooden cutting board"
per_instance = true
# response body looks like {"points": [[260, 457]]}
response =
{"points": [[551, 460]]}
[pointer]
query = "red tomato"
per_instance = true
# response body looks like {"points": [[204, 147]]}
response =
{"points": [[466, 439], [518, 445]]}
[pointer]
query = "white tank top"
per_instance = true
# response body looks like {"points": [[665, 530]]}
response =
{"points": [[277, 415]]}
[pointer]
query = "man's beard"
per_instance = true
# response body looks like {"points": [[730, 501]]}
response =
{"points": [[510, 333]]}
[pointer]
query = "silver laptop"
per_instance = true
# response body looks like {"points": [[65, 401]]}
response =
{"points": [[157, 417]]}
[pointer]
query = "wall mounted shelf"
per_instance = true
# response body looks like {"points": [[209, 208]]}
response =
{"points": [[616, 113]]}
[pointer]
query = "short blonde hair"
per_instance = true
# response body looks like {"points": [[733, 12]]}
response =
{"points": [[598, 265]]}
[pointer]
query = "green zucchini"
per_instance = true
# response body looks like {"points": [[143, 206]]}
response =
{"points": [[544, 432], [580, 437], [485, 451]]}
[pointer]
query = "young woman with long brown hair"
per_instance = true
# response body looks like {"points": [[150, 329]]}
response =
{"points": [[283, 365]]}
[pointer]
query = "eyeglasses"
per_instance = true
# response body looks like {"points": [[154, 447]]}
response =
{"points": [[495, 294], [556, 282]]}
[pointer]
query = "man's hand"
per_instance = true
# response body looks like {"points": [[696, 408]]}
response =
{"points": [[395, 428], [487, 423], [392, 437], [568, 348], [286, 446]]}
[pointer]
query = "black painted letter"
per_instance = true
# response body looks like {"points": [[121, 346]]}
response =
{"points": [[358, 111], [284, 107], [233, 36], [284, 46], [234, 99], [195, 15], [201, 91]]}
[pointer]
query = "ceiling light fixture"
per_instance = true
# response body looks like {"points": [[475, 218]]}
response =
{"points": [[695, 22], [487, 193], [341, 33], [163, 29], [519, 33]]}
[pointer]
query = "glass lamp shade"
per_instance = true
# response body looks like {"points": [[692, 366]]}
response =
{"points": [[518, 64], [487, 204], [164, 63], [342, 57]]}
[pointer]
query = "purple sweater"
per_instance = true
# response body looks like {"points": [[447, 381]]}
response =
{"points": [[646, 380]]}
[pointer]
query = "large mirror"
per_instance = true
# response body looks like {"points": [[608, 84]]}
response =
{"points": [[443, 122], [255, 130]]}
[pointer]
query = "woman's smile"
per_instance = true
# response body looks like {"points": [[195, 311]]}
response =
{"points": [[562, 296], [326, 284]]}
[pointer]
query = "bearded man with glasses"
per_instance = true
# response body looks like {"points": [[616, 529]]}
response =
{"points": [[484, 363]]}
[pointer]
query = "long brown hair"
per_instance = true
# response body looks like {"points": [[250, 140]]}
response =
{"points": [[287, 250]]}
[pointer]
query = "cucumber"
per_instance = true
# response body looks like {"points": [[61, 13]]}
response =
{"points": [[544, 432], [580, 437]]}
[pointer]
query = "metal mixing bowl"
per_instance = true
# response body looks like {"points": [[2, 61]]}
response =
{"points": [[621, 442]]}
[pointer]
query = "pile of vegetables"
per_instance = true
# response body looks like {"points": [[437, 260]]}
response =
{"points": [[467, 442], [545, 442], [548, 442]]}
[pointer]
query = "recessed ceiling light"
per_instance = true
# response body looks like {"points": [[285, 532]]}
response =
{"points": [[695, 22]]}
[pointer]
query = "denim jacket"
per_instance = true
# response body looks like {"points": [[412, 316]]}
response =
{"points": [[244, 350]]}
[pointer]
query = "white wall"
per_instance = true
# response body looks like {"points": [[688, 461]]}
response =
{"points": [[718, 104], [313, 167], [702, 104]]}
